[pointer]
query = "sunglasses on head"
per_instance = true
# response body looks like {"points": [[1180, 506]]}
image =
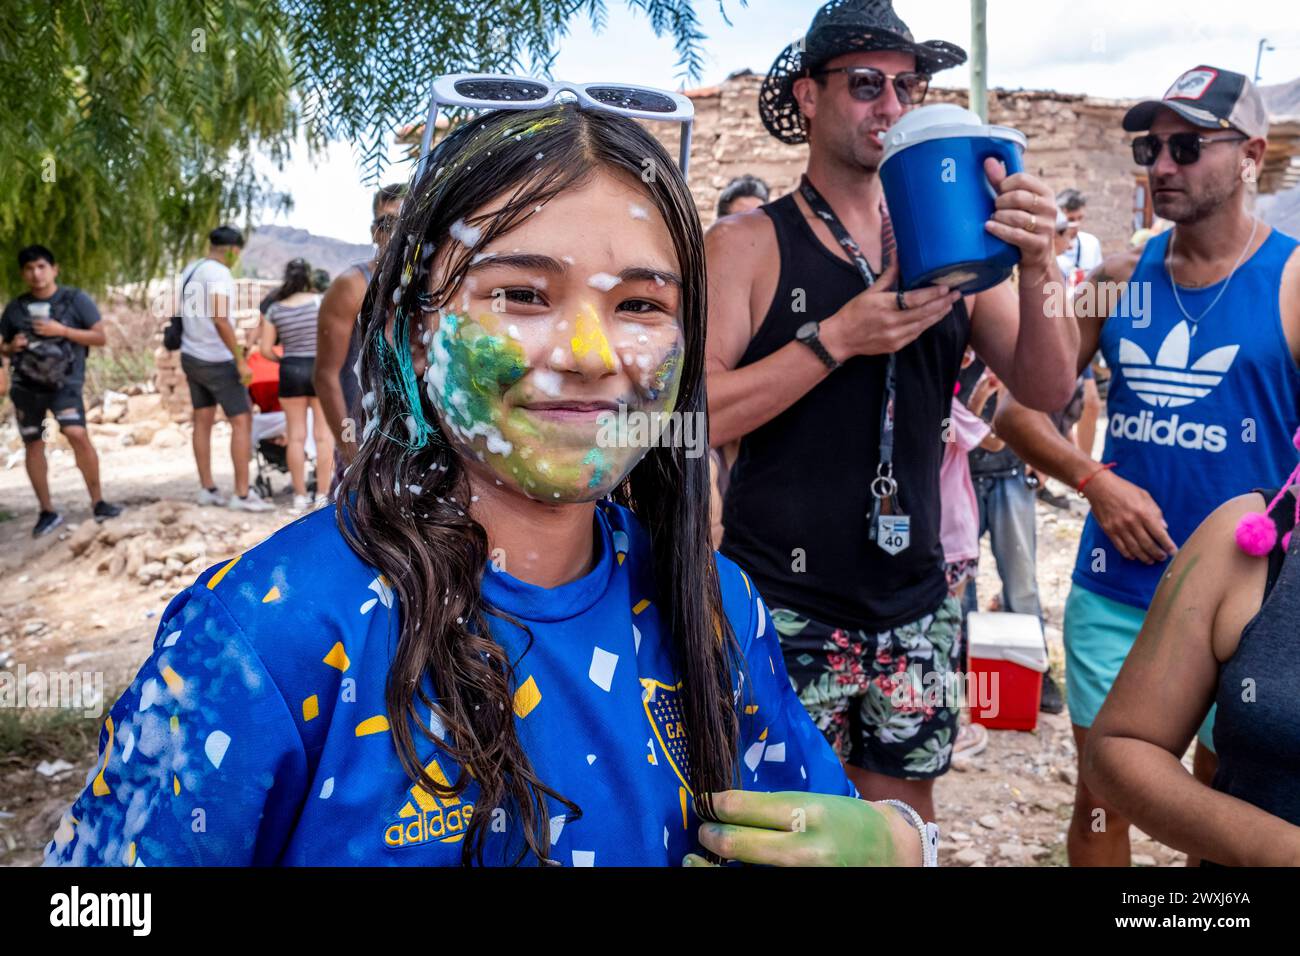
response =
{"points": [[866, 83], [1184, 148], [490, 91]]}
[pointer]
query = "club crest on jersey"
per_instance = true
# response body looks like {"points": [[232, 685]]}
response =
{"points": [[663, 708]]}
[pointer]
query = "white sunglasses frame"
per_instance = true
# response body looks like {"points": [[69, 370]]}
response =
{"points": [[444, 93]]}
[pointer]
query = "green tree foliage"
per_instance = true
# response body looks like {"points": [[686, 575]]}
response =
{"points": [[130, 126]]}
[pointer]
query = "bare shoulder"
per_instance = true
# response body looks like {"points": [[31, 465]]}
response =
{"points": [[1118, 267], [345, 292], [1212, 555], [746, 236], [1291, 284]]}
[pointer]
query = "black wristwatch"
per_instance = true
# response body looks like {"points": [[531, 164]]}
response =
{"points": [[807, 334]]}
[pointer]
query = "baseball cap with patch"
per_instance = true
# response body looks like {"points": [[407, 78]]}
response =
{"points": [[1208, 97]]}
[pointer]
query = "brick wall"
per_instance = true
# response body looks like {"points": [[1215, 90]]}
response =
{"points": [[1073, 141]]}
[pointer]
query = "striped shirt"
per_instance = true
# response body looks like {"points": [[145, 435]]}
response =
{"points": [[296, 325]]}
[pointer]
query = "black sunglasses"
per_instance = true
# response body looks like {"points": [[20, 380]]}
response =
{"points": [[1184, 148], [866, 83], [384, 223]]}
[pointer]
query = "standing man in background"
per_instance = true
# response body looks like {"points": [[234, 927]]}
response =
{"points": [[1077, 260], [46, 333], [337, 348], [829, 376], [214, 367], [1203, 340]]}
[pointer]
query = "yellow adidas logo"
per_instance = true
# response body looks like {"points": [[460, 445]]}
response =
{"points": [[425, 817]]}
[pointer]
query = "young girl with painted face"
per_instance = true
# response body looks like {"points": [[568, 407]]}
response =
{"points": [[510, 641]]}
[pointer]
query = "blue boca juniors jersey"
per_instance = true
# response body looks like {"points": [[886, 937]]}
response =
{"points": [[256, 733], [1198, 414]]}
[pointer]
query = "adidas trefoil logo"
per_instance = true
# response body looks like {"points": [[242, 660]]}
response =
{"points": [[1168, 382]]}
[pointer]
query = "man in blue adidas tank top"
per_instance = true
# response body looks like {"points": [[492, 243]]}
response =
{"points": [[1202, 328], [798, 355]]}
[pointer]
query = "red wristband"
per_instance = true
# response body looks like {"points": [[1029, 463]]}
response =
{"points": [[1106, 467]]}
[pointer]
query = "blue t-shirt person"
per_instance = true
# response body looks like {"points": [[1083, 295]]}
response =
{"points": [[256, 733]]}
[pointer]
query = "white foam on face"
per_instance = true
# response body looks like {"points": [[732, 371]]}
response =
{"points": [[603, 281], [637, 212], [548, 381], [567, 259], [659, 281], [479, 258], [538, 281], [643, 361], [463, 232], [513, 332], [561, 325]]}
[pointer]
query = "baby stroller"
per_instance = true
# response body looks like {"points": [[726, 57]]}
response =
{"points": [[270, 430]]}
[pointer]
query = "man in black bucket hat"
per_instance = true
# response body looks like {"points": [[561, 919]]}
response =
{"points": [[834, 507]]}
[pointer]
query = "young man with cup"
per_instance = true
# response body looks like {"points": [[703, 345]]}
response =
{"points": [[46, 334]]}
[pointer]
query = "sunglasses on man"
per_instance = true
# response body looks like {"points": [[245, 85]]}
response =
{"points": [[490, 91], [1184, 148], [866, 83], [384, 223]]}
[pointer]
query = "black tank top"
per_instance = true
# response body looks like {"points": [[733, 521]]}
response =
{"points": [[1257, 727], [796, 511]]}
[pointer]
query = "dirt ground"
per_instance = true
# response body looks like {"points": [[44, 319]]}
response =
{"points": [[88, 597]]}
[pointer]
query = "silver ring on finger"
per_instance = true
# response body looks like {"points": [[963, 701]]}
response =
{"points": [[898, 297]]}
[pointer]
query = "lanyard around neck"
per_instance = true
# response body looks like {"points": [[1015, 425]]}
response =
{"points": [[884, 485]]}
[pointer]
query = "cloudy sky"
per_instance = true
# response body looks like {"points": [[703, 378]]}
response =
{"points": [[1109, 48]]}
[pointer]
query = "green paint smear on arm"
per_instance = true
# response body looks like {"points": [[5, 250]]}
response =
{"points": [[1156, 628]]}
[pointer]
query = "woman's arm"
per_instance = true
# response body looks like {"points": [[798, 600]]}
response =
{"points": [[1167, 685], [266, 340]]}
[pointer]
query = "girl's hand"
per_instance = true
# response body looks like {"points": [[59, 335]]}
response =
{"points": [[807, 829]]}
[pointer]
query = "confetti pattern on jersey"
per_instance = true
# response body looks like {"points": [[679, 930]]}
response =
{"points": [[257, 731]]}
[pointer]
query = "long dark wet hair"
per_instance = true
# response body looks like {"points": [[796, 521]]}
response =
{"points": [[431, 549], [297, 278]]}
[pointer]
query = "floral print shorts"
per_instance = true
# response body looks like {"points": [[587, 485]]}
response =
{"points": [[887, 702]]}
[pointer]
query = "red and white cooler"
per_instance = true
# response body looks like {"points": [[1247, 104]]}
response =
{"points": [[1008, 658]]}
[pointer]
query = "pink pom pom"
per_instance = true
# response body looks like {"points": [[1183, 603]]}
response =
{"points": [[1295, 439], [1286, 541], [1256, 534]]}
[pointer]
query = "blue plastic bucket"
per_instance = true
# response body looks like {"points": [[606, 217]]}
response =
{"points": [[940, 197]]}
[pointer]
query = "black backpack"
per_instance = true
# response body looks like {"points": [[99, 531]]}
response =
{"points": [[47, 363]]}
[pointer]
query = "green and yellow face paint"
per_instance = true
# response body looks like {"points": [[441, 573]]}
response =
{"points": [[496, 381]]}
